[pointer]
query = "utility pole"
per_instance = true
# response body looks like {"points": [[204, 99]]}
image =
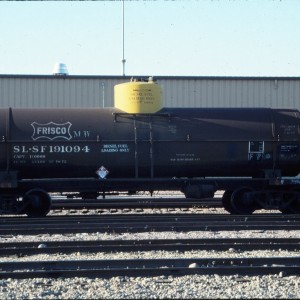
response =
{"points": [[123, 57]]}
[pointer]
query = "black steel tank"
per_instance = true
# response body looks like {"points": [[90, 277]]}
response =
{"points": [[174, 142]]}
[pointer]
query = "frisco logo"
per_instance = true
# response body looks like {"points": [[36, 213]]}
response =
{"points": [[51, 131]]}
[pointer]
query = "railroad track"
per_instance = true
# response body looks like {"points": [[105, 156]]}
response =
{"points": [[151, 267], [145, 223], [20, 249], [105, 268]]}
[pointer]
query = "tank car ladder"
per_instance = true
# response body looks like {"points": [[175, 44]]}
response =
{"points": [[143, 138]]}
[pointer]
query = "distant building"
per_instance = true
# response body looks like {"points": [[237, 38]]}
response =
{"points": [[178, 91]]}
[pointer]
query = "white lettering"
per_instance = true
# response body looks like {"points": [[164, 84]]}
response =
{"points": [[51, 130], [16, 149]]}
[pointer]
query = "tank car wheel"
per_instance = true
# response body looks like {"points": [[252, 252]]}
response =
{"points": [[226, 201], [294, 205], [38, 203], [240, 203]]}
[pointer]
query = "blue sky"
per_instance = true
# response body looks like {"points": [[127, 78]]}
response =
{"points": [[188, 38]]}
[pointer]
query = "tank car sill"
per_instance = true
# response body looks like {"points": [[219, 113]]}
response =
{"points": [[137, 184]]}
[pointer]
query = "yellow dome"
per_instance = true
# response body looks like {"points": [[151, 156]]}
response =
{"points": [[138, 97]]}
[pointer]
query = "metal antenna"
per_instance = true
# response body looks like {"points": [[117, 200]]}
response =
{"points": [[123, 60]]}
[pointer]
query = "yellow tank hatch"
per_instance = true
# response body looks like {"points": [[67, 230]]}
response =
{"points": [[138, 96]]}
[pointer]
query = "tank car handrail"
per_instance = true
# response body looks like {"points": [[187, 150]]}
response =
{"points": [[164, 115]]}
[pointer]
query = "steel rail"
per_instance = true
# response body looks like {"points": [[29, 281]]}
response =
{"points": [[145, 223], [221, 244], [155, 217], [154, 267]]}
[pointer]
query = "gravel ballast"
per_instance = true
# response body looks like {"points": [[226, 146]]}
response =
{"points": [[160, 287], [186, 287]]}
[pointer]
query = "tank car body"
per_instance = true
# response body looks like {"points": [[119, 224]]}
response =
{"points": [[245, 151]]}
